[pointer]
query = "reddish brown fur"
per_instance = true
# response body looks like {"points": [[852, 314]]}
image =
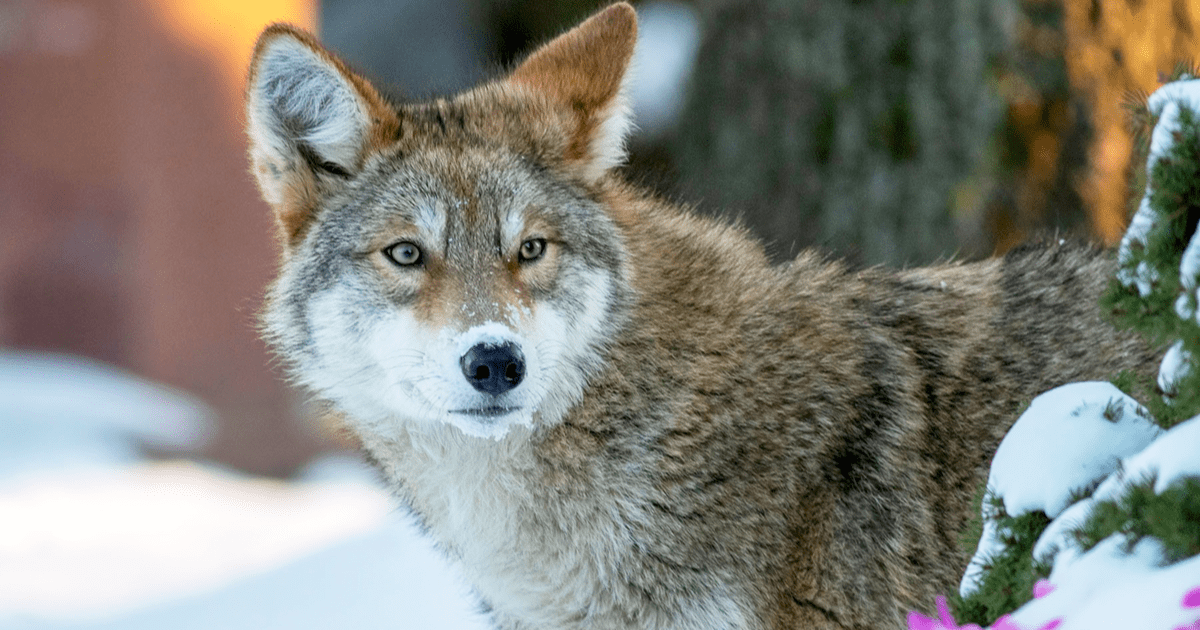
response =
{"points": [[808, 435], [584, 70]]}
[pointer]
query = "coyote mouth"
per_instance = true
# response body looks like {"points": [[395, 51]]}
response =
{"points": [[486, 412]]}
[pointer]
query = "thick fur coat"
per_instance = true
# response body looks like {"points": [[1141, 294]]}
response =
{"points": [[664, 430]]}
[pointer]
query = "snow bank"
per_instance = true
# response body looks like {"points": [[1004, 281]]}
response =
{"points": [[59, 410], [182, 545], [101, 542], [385, 579], [94, 537]]}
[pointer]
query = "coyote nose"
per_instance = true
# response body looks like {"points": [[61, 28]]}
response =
{"points": [[493, 369]]}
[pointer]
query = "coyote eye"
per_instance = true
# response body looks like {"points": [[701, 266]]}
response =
{"points": [[532, 249], [404, 254]]}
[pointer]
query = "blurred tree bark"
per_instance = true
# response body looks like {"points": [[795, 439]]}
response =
{"points": [[1116, 53], [844, 124], [1044, 143]]}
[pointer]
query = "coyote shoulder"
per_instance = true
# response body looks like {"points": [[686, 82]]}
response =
{"points": [[613, 413]]}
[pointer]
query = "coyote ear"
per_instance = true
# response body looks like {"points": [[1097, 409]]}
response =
{"points": [[311, 123], [585, 70]]}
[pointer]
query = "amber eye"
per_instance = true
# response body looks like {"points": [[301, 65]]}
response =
{"points": [[532, 249], [404, 254]]}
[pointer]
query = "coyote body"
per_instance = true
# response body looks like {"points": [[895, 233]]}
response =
{"points": [[610, 412]]}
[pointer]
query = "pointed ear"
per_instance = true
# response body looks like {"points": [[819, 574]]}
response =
{"points": [[311, 123], [585, 71]]}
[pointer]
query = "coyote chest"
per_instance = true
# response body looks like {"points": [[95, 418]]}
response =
{"points": [[481, 505], [548, 563]]}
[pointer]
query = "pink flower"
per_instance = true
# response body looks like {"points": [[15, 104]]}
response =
{"points": [[917, 621], [1191, 599], [945, 621], [1042, 588]]}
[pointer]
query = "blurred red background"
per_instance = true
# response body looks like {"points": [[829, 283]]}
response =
{"points": [[132, 232]]}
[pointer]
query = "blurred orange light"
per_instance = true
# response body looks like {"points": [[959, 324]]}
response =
{"points": [[1115, 49], [228, 28]]}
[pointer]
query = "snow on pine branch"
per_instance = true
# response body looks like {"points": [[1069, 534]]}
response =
{"points": [[1168, 103], [1092, 508]]}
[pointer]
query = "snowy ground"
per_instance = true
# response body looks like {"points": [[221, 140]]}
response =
{"points": [[94, 537]]}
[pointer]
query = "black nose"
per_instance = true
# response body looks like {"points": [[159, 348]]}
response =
{"points": [[493, 369]]}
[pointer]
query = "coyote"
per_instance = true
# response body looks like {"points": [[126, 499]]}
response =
{"points": [[611, 412]]}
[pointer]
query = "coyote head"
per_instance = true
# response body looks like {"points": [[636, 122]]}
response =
{"points": [[448, 262]]}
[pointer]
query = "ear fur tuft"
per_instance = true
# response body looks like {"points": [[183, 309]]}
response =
{"points": [[586, 70], [306, 101], [310, 121]]}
